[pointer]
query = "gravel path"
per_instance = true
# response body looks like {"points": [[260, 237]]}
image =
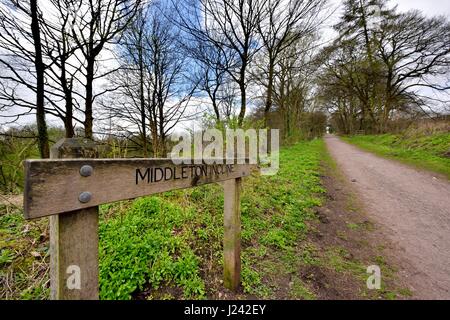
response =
{"points": [[413, 209]]}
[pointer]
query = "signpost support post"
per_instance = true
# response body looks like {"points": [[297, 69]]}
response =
{"points": [[74, 236], [232, 234]]}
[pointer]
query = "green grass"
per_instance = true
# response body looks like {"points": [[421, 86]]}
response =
{"points": [[274, 211], [23, 256], [431, 152], [143, 247]]}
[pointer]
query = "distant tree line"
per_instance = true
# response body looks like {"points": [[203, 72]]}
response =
{"points": [[384, 65]]}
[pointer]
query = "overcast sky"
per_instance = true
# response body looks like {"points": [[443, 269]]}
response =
{"points": [[429, 7]]}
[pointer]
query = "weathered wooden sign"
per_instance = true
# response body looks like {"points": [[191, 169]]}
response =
{"points": [[57, 186], [70, 190]]}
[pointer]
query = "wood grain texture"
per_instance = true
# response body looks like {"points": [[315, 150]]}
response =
{"points": [[74, 242], [53, 186], [74, 239], [232, 234]]}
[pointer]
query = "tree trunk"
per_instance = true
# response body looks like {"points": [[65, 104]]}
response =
{"points": [[213, 97], [153, 121], [39, 65], [216, 111], [68, 120], [243, 95], [155, 141], [243, 105], [161, 142], [142, 98], [268, 105], [89, 119]]}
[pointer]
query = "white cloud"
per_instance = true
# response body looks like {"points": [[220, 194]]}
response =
{"points": [[429, 7]]}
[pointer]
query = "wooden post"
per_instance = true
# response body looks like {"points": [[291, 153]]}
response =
{"points": [[74, 236], [232, 234]]}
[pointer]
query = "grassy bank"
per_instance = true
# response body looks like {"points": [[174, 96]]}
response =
{"points": [[173, 246], [431, 152]]}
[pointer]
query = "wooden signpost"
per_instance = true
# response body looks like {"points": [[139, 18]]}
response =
{"points": [[70, 186]]}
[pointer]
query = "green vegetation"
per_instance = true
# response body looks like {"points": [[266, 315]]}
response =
{"points": [[144, 246], [175, 240], [431, 152], [23, 255], [17, 145]]}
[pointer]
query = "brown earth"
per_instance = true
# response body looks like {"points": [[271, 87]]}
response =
{"points": [[344, 224], [412, 210]]}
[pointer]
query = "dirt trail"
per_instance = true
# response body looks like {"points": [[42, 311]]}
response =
{"points": [[413, 210]]}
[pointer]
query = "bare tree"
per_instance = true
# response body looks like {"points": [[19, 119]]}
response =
{"points": [[231, 27], [339, 92], [371, 74], [63, 69], [210, 75], [39, 66], [283, 24], [292, 89], [136, 59], [153, 91], [415, 53], [21, 56], [97, 24]]}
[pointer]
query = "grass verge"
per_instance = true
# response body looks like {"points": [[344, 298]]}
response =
{"points": [[430, 152]]}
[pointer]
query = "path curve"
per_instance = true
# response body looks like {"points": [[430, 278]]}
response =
{"points": [[413, 208]]}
